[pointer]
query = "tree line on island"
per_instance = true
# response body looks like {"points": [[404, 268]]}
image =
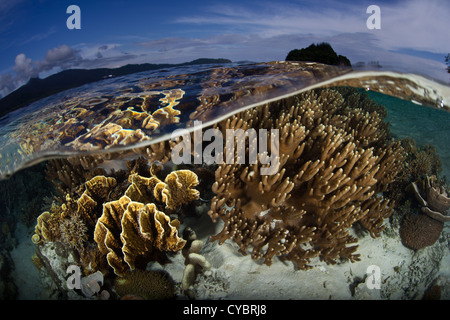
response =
{"points": [[321, 52]]}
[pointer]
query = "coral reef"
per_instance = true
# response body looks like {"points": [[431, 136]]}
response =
{"points": [[419, 162], [333, 164], [149, 285], [62, 222], [119, 223]]}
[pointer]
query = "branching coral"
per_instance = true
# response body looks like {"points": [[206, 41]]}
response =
{"points": [[331, 165]]}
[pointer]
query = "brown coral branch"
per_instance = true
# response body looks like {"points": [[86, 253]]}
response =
{"points": [[331, 165]]}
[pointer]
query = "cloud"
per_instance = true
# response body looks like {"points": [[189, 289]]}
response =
{"points": [[59, 58], [421, 25], [6, 84], [40, 36], [63, 57], [24, 67]]}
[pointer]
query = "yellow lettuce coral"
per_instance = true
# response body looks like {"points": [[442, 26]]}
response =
{"points": [[132, 231], [177, 189], [131, 234], [129, 231]]}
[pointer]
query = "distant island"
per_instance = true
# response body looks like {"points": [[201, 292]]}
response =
{"points": [[322, 52], [37, 88]]}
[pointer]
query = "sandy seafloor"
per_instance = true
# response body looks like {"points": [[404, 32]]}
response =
{"points": [[405, 274]]}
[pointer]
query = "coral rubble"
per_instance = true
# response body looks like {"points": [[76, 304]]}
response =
{"points": [[332, 170]]}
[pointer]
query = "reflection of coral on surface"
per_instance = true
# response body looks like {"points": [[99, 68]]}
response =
{"points": [[96, 123], [331, 167]]}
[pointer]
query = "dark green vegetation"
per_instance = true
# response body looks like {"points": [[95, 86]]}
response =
{"points": [[322, 52], [447, 61], [37, 88]]}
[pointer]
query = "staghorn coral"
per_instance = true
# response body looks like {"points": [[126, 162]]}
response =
{"points": [[331, 167]]}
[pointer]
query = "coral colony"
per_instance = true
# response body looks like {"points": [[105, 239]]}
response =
{"points": [[258, 150], [288, 179], [334, 162]]}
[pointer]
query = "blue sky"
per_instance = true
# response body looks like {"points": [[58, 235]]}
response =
{"points": [[34, 39]]}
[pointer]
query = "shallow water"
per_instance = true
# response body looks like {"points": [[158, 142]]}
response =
{"points": [[62, 125]]}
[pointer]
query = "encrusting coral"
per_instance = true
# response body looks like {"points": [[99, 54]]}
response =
{"points": [[333, 165], [149, 285]]}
